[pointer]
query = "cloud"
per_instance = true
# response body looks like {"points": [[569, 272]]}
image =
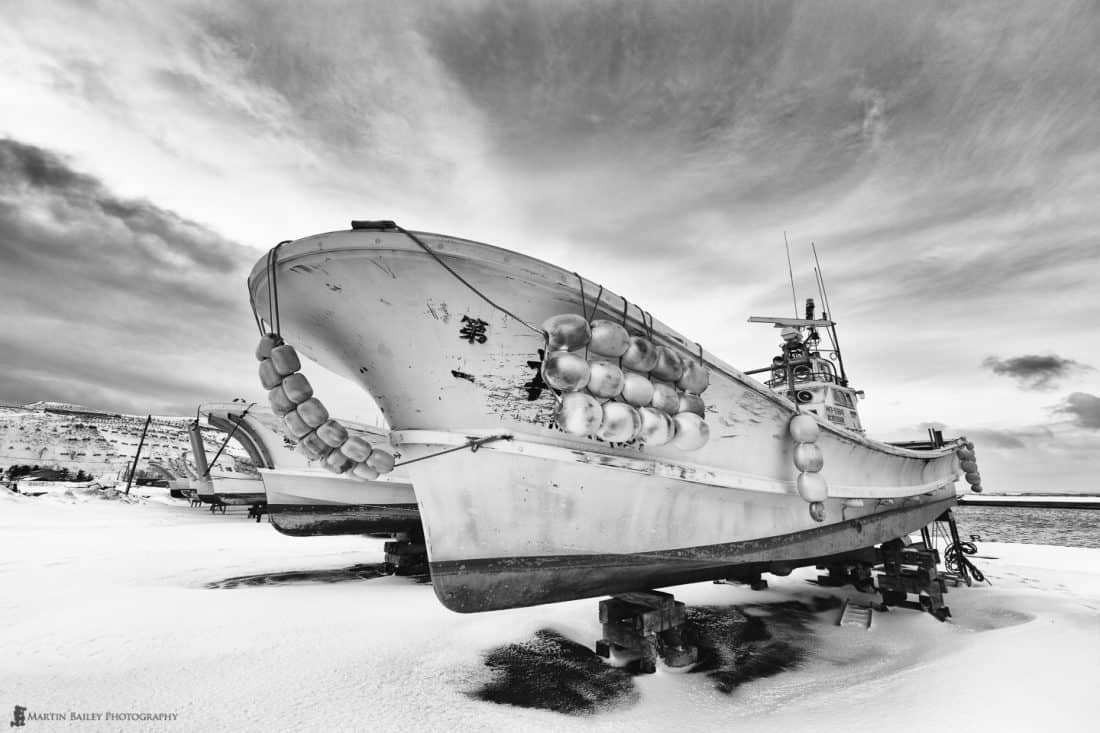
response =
{"points": [[1035, 372], [116, 299], [1084, 408]]}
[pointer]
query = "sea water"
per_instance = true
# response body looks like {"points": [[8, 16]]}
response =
{"points": [[1032, 526]]}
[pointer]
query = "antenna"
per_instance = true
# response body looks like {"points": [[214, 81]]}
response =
{"points": [[790, 272], [832, 329]]}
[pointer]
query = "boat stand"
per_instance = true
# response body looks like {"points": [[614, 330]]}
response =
{"points": [[648, 623], [406, 554], [257, 511], [909, 571], [754, 580]]}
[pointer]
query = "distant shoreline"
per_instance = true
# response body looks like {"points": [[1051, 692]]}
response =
{"points": [[1036, 501]]}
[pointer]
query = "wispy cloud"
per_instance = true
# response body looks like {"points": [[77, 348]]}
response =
{"points": [[1033, 371], [1083, 408]]}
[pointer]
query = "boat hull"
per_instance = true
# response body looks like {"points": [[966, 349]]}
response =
{"points": [[315, 503], [238, 491], [536, 515]]}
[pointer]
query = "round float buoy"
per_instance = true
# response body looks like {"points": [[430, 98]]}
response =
{"points": [[695, 378], [637, 389], [565, 371], [670, 366], [267, 342], [334, 434], [812, 487], [579, 413], [605, 380], [280, 403], [365, 472], [285, 359], [692, 403], [567, 332], [313, 447], [269, 375], [665, 397], [313, 413], [380, 461], [968, 466], [640, 355], [620, 423], [297, 388], [976, 488], [965, 454], [356, 449], [657, 428], [692, 432], [337, 462], [808, 457], [608, 339], [817, 511], [804, 429], [972, 477], [297, 427]]}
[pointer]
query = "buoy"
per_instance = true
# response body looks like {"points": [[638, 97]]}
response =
{"points": [[565, 371], [804, 429], [637, 389], [579, 413], [313, 413], [380, 461], [337, 462], [297, 388], [965, 454], [267, 342], [334, 434], [620, 423], [812, 487], [365, 472], [670, 366], [695, 378], [692, 431], [608, 339], [269, 375], [972, 477], [605, 380], [665, 397], [567, 332], [313, 447], [640, 355], [297, 427], [356, 449], [280, 403], [692, 403], [968, 466], [657, 426], [285, 359], [976, 488], [808, 457], [817, 511]]}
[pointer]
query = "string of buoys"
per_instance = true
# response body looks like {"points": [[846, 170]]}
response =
{"points": [[809, 460], [619, 387], [319, 437], [968, 464]]}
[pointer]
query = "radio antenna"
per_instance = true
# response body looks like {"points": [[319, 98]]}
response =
{"points": [[790, 271], [832, 329]]}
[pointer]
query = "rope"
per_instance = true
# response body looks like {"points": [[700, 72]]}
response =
{"points": [[473, 444], [273, 287], [462, 280]]}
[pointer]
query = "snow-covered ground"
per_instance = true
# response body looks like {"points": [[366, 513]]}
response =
{"points": [[116, 606]]}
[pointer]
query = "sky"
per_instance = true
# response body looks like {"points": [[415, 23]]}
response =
{"points": [[944, 158]]}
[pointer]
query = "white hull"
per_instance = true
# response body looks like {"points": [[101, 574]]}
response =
{"points": [[238, 490], [312, 502], [545, 516]]}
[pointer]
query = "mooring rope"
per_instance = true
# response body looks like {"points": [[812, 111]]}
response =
{"points": [[462, 280], [473, 444]]}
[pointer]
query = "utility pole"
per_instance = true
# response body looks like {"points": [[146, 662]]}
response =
{"points": [[141, 443]]}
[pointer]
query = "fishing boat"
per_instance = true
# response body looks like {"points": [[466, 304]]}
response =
{"points": [[564, 443], [302, 498]]}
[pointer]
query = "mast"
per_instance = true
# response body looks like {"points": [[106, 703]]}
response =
{"points": [[790, 271]]}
